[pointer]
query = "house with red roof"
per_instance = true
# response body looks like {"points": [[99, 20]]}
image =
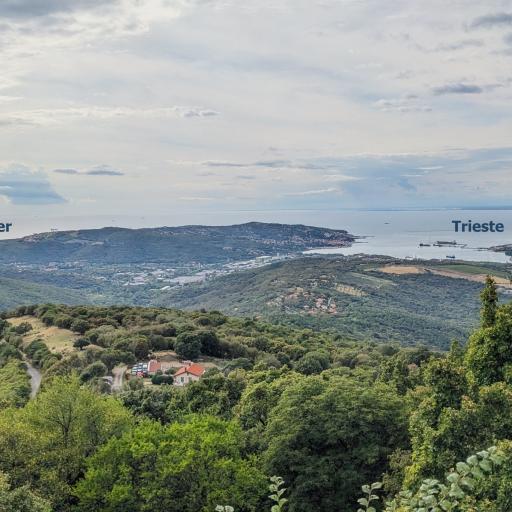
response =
{"points": [[189, 373]]}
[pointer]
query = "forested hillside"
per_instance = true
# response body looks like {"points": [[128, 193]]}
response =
{"points": [[374, 298], [360, 297], [325, 414]]}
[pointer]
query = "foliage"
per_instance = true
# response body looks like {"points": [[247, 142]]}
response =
{"points": [[20, 499], [53, 434], [185, 467], [328, 435], [81, 343], [14, 384], [188, 346], [488, 357], [489, 298], [456, 495]]}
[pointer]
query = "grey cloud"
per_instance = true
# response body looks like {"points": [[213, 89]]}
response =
{"points": [[460, 45], [267, 164], [457, 88], [492, 20], [66, 171], [311, 192], [23, 186], [100, 170], [104, 172], [406, 104], [195, 112], [15, 121], [40, 8]]}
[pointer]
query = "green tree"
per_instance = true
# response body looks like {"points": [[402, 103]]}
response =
{"points": [[489, 354], [188, 345], [489, 297], [93, 371], [440, 437], [313, 362], [54, 434], [81, 343], [80, 326], [326, 437], [20, 499], [182, 467]]}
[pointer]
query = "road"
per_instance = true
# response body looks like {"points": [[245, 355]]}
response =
{"points": [[35, 379], [118, 374]]}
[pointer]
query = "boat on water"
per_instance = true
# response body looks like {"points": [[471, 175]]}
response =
{"points": [[424, 245], [443, 243], [451, 257]]}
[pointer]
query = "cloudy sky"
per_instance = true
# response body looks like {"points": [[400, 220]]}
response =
{"points": [[159, 106]]}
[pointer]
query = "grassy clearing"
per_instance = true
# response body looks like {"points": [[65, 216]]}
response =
{"points": [[472, 269], [57, 339]]}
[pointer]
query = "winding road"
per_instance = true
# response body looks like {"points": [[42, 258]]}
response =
{"points": [[35, 379], [118, 374]]}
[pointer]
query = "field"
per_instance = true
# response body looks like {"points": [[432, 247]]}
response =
{"points": [[469, 272], [57, 339]]}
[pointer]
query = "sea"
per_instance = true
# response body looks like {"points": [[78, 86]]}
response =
{"points": [[396, 233]]}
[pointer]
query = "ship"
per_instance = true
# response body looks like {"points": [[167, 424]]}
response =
{"points": [[441, 243]]}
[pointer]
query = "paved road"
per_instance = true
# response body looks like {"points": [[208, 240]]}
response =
{"points": [[118, 374], [35, 379]]}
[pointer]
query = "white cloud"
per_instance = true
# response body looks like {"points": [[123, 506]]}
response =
{"points": [[186, 97], [311, 192]]}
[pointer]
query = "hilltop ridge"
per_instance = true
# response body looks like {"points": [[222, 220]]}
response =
{"points": [[173, 245]]}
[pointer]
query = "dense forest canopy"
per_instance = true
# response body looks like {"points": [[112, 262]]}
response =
{"points": [[326, 414]]}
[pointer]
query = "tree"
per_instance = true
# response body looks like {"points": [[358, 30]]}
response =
{"points": [[181, 467], [313, 362], [210, 344], [441, 437], [81, 343], [160, 379], [489, 297], [93, 371], [489, 354], [20, 499], [148, 401], [54, 433], [188, 346], [80, 326], [23, 328], [140, 347], [329, 436]]}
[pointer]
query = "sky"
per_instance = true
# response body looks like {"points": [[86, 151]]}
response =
{"points": [[181, 107]]}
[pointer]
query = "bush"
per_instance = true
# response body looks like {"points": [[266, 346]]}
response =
{"points": [[94, 370], [160, 379], [23, 328], [81, 343], [63, 321], [114, 357], [188, 346], [80, 326]]}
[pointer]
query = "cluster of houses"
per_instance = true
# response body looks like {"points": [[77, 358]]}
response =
{"points": [[187, 373]]}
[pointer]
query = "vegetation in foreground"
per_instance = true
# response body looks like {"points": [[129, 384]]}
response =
{"points": [[328, 418]]}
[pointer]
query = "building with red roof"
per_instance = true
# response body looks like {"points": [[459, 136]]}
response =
{"points": [[188, 373]]}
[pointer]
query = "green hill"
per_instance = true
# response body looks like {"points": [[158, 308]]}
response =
{"points": [[172, 245], [353, 296]]}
